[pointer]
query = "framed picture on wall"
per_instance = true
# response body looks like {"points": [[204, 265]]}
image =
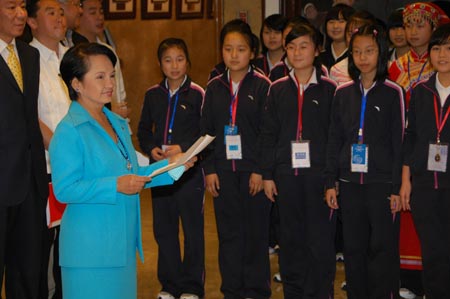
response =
{"points": [[189, 9], [156, 9], [120, 9]]}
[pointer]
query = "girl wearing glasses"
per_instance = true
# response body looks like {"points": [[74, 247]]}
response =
{"points": [[365, 154]]}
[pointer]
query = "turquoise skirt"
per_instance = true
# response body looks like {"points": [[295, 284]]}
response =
{"points": [[99, 283], [106, 283]]}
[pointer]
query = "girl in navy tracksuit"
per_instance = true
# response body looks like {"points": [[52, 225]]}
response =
{"points": [[170, 123], [428, 130], [365, 154], [297, 115], [232, 112]]}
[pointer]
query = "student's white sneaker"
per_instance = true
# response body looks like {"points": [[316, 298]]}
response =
{"points": [[165, 295], [188, 296], [407, 294]]}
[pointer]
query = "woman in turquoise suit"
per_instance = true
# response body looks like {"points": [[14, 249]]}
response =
{"points": [[95, 171]]}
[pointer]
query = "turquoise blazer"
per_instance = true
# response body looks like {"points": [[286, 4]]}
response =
{"points": [[85, 165]]}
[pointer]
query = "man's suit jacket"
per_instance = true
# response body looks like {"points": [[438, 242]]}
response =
{"points": [[22, 159]]}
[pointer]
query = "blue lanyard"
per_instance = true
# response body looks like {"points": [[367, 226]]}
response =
{"points": [[361, 118], [121, 146], [172, 118]]}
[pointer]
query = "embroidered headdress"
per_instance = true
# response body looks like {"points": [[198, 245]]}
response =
{"points": [[419, 12]]}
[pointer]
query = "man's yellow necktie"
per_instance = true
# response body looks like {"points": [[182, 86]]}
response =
{"points": [[14, 66]]}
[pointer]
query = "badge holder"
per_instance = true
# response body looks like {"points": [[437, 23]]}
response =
{"points": [[233, 143], [229, 130], [437, 157], [300, 154], [359, 158]]}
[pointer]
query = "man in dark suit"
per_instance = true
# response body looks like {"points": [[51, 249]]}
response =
{"points": [[23, 179]]}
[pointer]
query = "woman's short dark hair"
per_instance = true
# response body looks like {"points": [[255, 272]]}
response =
{"points": [[274, 22], [75, 63], [379, 36], [440, 36], [170, 43], [300, 30]]}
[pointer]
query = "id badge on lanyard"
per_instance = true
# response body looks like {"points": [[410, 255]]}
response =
{"points": [[437, 157], [233, 143], [359, 152], [438, 151], [300, 154], [360, 158]]}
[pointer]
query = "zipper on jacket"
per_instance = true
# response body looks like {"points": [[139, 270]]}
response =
{"points": [[436, 184]]}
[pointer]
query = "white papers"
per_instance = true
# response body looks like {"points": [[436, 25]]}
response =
{"points": [[195, 149]]}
